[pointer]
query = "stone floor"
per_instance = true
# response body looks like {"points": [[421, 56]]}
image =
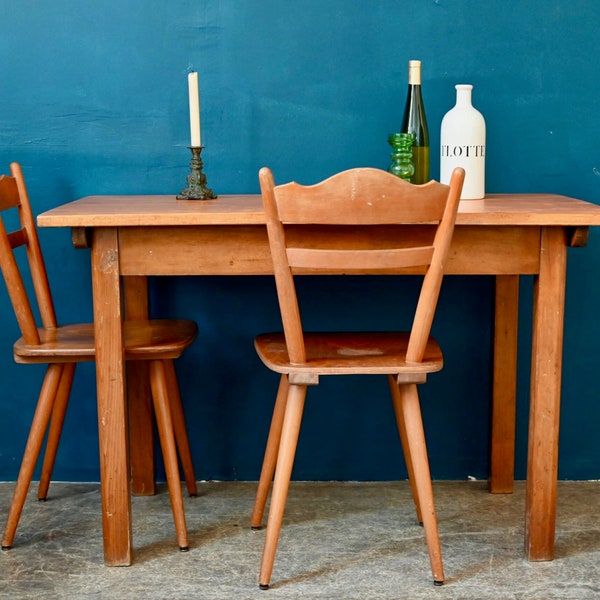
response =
{"points": [[340, 540]]}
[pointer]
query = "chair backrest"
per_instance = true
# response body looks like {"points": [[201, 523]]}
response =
{"points": [[13, 195], [360, 221]]}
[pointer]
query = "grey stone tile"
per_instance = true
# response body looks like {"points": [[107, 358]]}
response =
{"points": [[339, 540]]}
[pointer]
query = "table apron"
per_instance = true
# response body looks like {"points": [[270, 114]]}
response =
{"points": [[244, 250]]}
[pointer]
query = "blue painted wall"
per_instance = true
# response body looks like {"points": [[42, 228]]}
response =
{"points": [[93, 100]]}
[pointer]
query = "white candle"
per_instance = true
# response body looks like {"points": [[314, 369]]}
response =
{"points": [[194, 94]]}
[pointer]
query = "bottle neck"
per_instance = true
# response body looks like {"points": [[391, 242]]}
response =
{"points": [[463, 94]]}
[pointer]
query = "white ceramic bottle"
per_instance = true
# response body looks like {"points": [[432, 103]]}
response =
{"points": [[463, 144]]}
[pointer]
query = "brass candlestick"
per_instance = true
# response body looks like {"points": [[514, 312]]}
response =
{"points": [[196, 180]]}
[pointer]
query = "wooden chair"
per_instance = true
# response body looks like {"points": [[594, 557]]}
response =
{"points": [[375, 214], [61, 347]]}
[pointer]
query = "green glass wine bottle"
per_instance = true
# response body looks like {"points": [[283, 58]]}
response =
{"points": [[415, 122]]}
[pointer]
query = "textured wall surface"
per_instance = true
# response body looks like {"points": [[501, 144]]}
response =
{"points": [[93, 100]]}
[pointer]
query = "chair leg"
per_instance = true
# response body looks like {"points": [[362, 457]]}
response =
{"points": [[56, 425], [283, 472], [181, 437], [39, 425], [162, 409], [268, 466], [408, 405], [396, 401]]}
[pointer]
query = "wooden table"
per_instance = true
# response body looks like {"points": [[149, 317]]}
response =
{"points": [[502, 235]]}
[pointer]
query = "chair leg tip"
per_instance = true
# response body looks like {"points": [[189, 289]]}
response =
{"points": [[6, 547], [193, 495], [256, 527], [42, 499], [263, 586], [437, 582], [184, 548]]}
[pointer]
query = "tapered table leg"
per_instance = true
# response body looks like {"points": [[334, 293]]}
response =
{"points": [[112, 410], [542, 461], [502, 457], [139, 399]]}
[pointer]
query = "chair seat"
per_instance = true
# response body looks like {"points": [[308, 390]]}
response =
{"points": [[345, 353], [151, 340]]}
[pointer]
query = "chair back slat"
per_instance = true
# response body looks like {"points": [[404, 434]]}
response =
{"points": [[17, 238], [9, 193], [13, 194], [367, 196], [359, 221], [344, 261]]}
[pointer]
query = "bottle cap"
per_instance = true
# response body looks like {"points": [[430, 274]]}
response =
{"points": [[414, 72]]}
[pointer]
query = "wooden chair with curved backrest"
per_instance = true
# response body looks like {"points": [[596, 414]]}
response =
{"points": [[359, 221], [61, 347]]}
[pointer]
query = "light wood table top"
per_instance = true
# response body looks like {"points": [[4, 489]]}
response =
{"points": [[495, 209]]}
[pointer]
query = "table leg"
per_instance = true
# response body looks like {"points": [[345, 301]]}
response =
{"points": [[542, 461], [139, 398], [502, 457], [112, 411]]}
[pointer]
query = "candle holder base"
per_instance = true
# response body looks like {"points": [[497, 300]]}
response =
{"points": [[196, 180]]}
